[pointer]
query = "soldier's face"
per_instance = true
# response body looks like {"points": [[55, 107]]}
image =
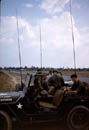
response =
{"points": [[55, 73], [74, 79]]}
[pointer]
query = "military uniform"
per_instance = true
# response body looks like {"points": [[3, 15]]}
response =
{"points": [[56, 81], [79, 87], [45, 85]]}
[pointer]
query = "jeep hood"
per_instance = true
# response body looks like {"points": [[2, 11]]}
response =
{"points": [[11, 97]]}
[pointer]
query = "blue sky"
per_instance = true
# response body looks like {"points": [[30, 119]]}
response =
{"points": [[54, 18]]}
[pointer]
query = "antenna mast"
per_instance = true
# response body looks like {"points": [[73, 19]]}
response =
{"points": [[0, 14], [73, 37], [40, 49], [19, 44]]}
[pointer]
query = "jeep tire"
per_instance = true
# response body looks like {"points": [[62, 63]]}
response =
{"points": [[5, 121], [78, 118]]}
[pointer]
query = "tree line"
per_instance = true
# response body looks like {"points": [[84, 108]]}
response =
{"points": [[44, 68]]}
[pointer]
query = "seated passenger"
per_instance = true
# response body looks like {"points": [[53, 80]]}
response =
{"points": [[44, 82], [77, 87], [49, 75], [55, 82], [39, 87]]}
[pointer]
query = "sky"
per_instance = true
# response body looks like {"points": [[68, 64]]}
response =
{"points": [[53, 16]]}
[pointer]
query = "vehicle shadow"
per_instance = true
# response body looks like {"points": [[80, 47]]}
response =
{"points": [[45, 126]]}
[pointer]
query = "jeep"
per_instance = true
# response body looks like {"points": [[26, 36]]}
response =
{"points": [[27, 106]]}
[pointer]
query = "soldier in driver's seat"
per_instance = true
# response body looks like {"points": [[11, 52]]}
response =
{"points": [[39, 87]]}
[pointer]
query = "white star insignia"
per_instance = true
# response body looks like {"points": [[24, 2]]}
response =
{"points": [[19, 106]]}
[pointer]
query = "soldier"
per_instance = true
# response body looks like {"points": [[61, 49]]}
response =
{"points": [[77, 87], [55, 82], [39, 86], [44, 81], [49, 75]]}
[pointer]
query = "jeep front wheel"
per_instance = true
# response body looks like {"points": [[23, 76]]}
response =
{"points": [[5, 121], [78, 118]]}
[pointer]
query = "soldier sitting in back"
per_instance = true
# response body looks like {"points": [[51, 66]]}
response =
{"points": [[55, 82], [77, 87]]}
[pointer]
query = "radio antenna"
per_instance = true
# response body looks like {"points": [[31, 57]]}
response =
{"points": [[74, 57], [0, 14], [19, 44], [40, 48]]}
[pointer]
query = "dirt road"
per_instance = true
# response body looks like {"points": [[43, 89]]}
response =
{"points": [[50, 126]]}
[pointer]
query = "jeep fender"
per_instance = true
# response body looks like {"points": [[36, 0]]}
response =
{"points": [[5, 121]]}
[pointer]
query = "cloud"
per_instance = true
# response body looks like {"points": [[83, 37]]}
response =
{"points": [[53, 6], [9, 30], [76, 6], [28, 5], [56, 32], [56, 41]]}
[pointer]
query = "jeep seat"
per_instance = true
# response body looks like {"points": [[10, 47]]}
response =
{"points": [[57, 99]]}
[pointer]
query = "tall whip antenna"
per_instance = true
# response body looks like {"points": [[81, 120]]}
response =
{"points": [[40, 49], [0, 14], [73, 37], [19, 44]]}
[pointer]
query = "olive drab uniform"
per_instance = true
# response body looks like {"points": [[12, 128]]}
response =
{"points": [[56, 81], [79, 87]]}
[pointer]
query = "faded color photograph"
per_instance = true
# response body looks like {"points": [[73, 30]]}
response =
{"points": [[44, 64]]}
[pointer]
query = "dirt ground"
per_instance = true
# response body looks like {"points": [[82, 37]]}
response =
{"points": [[79, 73], [48, 126], [69, 73]]}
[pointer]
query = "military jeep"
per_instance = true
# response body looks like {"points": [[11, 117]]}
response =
{"points": [[26, 106]]}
